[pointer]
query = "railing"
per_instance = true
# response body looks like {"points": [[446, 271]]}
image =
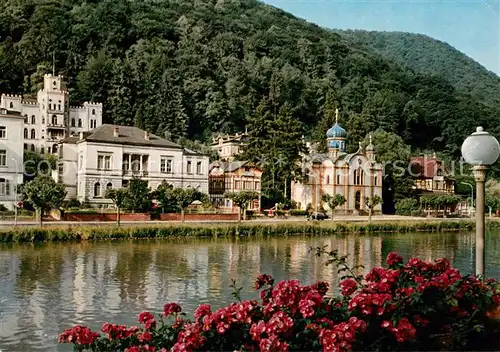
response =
{"points": [[139, 173]]}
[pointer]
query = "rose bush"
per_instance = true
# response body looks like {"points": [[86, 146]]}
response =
{"points": [[407, 306]]}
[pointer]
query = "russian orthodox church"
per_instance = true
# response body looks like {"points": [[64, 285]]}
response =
{"points": [[357, 176]]}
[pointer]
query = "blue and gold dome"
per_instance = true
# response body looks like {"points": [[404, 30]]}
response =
{"points": [[336, 131]]}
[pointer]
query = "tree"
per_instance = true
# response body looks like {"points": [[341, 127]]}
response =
{"points": [[184, 197], [119, 197], [43, 193], [371, 203], [165, 197], [242, 200], [138, 195], [492, 196], [333, 201]]}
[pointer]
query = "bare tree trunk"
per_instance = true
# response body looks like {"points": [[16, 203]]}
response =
{"points": [[182, 214], [244, 214], [370, 215], [40, 217], [239, 215], [118, 216]]}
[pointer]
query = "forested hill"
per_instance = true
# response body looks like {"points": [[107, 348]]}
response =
{"points": [[194, 67], [430, 56]]}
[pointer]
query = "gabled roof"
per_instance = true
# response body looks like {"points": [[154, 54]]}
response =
{"points": [[231, 166], [429, 166], [128, 135]]}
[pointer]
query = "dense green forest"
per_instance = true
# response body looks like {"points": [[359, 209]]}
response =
{"points": [[430, 56], [191, 68]]}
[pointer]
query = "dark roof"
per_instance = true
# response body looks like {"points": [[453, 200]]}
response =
{"points": [[428, 167], [229, 166], [70, 140], [10, 113], [128, 135]]}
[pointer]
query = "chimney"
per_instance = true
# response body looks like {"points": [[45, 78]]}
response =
{"points": [[146, 135], [116, 132]]}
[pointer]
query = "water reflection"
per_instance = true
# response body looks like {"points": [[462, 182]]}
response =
{"points": [[44, 289]]}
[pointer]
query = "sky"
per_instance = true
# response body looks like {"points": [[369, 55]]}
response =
{"points": [[471, 26]]}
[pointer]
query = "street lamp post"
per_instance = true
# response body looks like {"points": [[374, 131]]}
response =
{"points": [[472, 195], [480, 150]]}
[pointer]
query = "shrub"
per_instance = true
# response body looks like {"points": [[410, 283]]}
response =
{"points": [[407, 306], [408, 207], [298, 212]]}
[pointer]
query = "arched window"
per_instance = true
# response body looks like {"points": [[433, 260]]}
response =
{"points": [[11, 105], [79, 122], [54, 119], [25, 133], [32, 147], [93, 111], [327, 179], [25, 146], [25, 118], [4, 187], [338, 179], [54, 148], [72, 122], [109, 185], [375, 181], [33, 134], [97, 189], [59, 107], [50, 106], [361, 177], [42, 150], [33, 119]]}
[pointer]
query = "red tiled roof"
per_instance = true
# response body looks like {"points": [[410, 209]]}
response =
{"points": [[428, 166]]}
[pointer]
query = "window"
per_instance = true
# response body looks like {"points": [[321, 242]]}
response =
{"points": [[104, 162], [72, 122], [4, 187], [25, 133], [3, 157], [25, 146], [11, 105], [54, 119], [33, 134], [97, 190], [54, 148], [166, 165], [33, 119], [3, 133], [247, 185], [338, 179], [43, 120], [59, 107], [375, 181], [79, 122], [93, 111], [256, 185], [198, 167], [236, 184], [25, 118], [189, 166], [327, 179], [33, 148], [42, 150], [109, 185]]}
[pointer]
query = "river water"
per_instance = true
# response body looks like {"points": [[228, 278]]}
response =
{"points": [[47, 288]]}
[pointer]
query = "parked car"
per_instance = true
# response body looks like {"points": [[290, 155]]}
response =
{"points": [[317, 216]]}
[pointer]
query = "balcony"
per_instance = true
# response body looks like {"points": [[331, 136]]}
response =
{"points": [[135, 173], [56, 126]]}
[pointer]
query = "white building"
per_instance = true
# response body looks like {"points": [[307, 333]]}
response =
{"points": [[110, 155], [49, 118], [11, 156]]}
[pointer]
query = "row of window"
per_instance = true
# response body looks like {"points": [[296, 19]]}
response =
{"points": [[359, 177], [247, 185], [166, 164], [98, 189]]}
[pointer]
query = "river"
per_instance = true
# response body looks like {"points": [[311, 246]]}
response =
{"points": [[47, 288]]}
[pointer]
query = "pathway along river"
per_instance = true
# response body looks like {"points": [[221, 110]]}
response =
{"points": [[47, 288]]}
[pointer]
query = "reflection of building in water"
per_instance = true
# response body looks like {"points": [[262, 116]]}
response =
{"points": [[79, 284]]}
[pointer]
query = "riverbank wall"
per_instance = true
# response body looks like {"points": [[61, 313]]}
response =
{"points": [[92, 233]]}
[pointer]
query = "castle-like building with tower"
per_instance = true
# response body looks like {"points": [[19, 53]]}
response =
{"points": [[357, 176], [50, 118]]}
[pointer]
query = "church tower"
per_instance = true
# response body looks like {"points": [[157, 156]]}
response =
{"points": [[336, 137], [370, 150]]}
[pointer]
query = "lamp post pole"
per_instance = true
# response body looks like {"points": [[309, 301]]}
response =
{"points": [[471, 195], [480, 177], [480, 150]]}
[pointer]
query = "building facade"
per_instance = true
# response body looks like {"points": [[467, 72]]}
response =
{"points": [[430, 175], [11, 157], [233, 177], [356, 176], [49, 118], [110, 156], [228, 147]]}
